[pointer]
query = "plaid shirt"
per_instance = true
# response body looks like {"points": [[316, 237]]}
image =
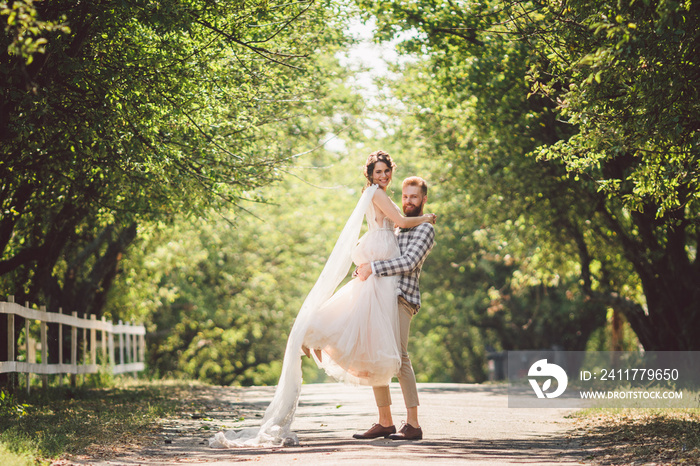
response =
{"points": [[415, 244]]}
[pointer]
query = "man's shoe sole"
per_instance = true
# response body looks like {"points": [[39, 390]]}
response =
{"points": [[362, 437], [395, 437]]}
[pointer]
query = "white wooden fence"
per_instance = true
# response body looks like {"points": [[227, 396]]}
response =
{"points": [[130, 345]]}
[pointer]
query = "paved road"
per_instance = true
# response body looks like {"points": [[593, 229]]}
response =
{"points": [[466, 424]]}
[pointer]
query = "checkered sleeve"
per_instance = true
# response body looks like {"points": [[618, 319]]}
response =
{"points": [[418, 247]]}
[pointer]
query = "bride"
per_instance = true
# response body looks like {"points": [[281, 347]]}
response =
{"points": [[354, 332]]}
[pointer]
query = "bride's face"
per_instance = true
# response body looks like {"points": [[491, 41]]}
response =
{"points": [[381, 175]]}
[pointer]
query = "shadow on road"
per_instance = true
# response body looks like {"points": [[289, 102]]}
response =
{"points": [[502, 451]]}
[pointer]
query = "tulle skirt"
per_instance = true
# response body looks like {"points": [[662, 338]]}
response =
{"points": [[357, 328], [348, 328]]}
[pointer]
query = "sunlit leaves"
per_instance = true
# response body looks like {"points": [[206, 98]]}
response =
{"points": [[222, 297], [627, 68], [579, 123], [27, 29], [142, 112]]}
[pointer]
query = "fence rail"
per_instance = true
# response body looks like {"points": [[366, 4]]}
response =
{"points": [[127, 354]]}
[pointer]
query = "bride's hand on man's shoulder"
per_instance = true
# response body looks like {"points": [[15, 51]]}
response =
{"points": [[430, 218]]}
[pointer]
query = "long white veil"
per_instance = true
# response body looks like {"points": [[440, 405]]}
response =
{"points": [[275, 428]]}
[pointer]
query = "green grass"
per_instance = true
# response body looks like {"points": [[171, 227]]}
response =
{"points": [[16, 459], [640, 436], [91, 421]]}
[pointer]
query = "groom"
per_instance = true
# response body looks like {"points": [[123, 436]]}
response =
{"points": [[415, 244]]}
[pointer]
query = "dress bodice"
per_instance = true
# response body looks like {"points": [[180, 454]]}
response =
{"points": [[372, 223], [379, 243]]}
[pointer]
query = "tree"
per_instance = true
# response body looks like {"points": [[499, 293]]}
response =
{"points": [[119, 113], [626, 75], [629, 217], [219, 298], [506, 269]]}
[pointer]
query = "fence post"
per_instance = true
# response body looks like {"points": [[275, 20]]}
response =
{"points": [[93, 339], [103, 342], [132, 340], [74, 351], [10, 332], [85, 346], [132, 353], [44, 350], [60, 349], [112, 355], [121, 344], [31, 351], [11, 355], [142, 358]]}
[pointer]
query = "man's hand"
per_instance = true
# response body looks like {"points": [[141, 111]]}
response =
{"points": [[363, 271]]}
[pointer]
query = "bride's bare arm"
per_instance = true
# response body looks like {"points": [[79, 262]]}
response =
{"points": [[391, 210]]}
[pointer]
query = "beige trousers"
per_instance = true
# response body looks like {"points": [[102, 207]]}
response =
{"points": [[407, 378]]}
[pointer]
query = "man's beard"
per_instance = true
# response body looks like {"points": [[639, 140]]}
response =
{"points": [[412, 211]]}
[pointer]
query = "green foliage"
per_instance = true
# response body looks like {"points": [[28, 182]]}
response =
{"points": [[506, 272], [625, 75], [27, 30], [485, 289], [574, 147], [142, 112], [602, 338], [10, 407], [559, 141], [220, 296]]}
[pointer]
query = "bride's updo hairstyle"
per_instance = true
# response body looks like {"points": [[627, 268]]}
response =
{"points": [[374, 157]]}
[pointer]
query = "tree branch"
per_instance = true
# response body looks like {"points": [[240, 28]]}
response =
{"points": [[263, 52]]}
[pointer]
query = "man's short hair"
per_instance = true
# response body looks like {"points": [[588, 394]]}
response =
{"points": [[416, 181]]}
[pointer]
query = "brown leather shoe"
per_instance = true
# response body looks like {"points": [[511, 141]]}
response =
{"points": [[377, 431], [407, 432]]}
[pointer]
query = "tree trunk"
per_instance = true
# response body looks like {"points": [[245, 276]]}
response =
{"points": [[670, 281]]}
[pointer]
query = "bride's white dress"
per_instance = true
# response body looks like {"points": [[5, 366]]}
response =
{"points": [[356, 328]]}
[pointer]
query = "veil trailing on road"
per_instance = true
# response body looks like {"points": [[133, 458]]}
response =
{"points": [[275, 428]]}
